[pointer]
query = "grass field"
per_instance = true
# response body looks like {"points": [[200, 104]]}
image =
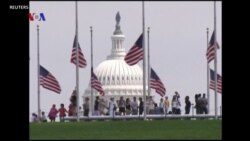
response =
{"points": [[156, 129]]}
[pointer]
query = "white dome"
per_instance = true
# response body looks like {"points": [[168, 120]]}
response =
{"points": [[118, 73], [116, 76], [118, 79]]}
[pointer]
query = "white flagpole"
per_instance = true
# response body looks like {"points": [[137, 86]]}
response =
{"points": [[215, 62], [144, 60], [92, 96], [208, 94], [77, 68], [149, 68], [38, 75]]}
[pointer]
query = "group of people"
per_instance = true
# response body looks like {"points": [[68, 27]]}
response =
{"points": [[127, 107], [119, 107], [52, 114], [133, 107], [201, 104], [62, 110], [35, 117]]}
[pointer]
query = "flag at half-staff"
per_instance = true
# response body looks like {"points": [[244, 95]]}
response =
{"points": [[82, 60], [156, 83], [96, 84], [48, 81], [211, 49], [212, 81], [135, 54]]}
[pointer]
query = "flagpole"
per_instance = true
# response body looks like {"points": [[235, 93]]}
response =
{"points": [[38, 75], [77, 67], [215, 61], [144, 60], [208, 94], [149, 70], [92, 97]]}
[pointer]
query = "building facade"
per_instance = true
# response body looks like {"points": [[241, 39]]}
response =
{"points": [[116, 76]]}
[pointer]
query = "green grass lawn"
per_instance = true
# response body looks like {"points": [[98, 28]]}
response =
{"points": [[156, 129]]}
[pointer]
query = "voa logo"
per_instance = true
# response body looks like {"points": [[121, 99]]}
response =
{"points": [[36, 16]]}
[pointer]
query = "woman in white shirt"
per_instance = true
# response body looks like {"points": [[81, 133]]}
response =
{"points": [[112, 107]]}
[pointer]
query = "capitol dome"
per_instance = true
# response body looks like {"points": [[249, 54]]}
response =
{"points": [[116, 76]]}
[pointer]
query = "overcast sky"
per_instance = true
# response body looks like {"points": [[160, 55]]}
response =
{"points": [[177, 43]]}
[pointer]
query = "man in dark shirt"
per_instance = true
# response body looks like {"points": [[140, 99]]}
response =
{"points": [[96, 110], [141, 105]]}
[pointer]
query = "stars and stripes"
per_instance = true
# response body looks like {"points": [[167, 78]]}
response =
{"points": [[210, 50], [212, 81], [135, 54], [82, 60], [155, 83], [96, 84], [48, 81]]}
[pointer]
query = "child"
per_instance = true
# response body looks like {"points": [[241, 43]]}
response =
{"points": [[62, 112], [34, 117], [43, 118], [86, 107], [52, 113]]}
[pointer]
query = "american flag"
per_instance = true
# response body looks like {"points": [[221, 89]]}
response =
{"points": [[96, 84], [48, 81], [155, 83], [212, 81], [82, 60], [210, 50], [135, 54]]}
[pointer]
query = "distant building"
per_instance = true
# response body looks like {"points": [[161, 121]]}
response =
{"points": [[116, 76]]}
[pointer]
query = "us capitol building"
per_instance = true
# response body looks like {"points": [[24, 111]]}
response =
{"points": [[116, 76]]}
